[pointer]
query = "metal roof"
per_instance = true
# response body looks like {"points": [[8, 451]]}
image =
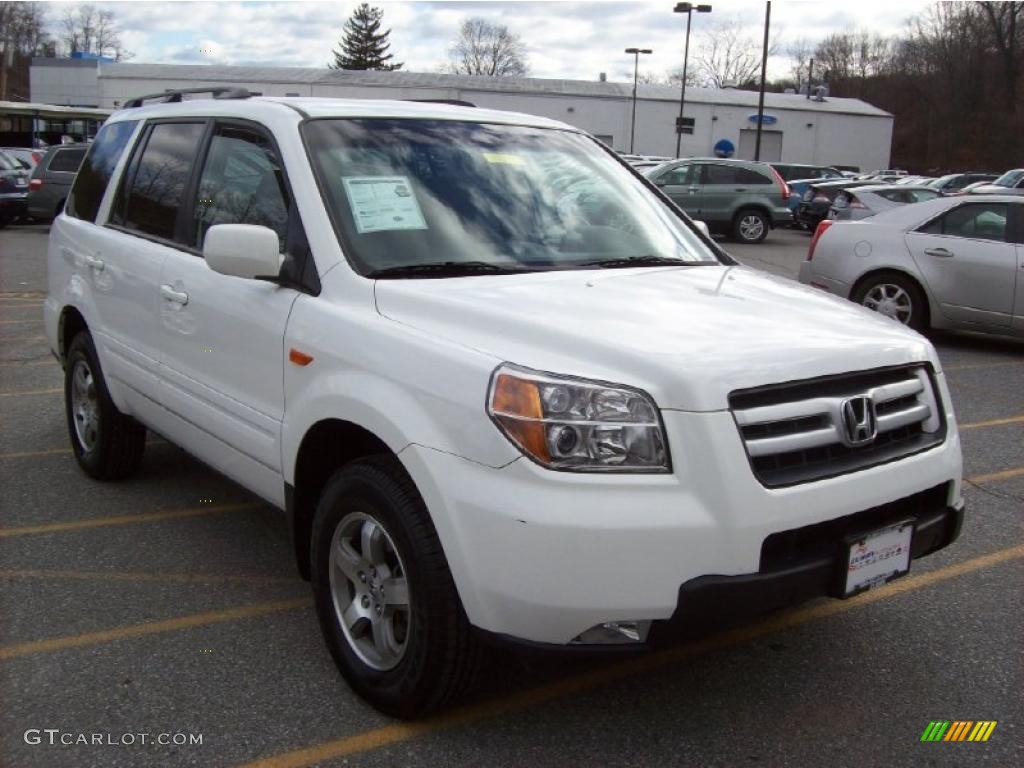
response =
{"points": [[32, 109], [469, 83]]}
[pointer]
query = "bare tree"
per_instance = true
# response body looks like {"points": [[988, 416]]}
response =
{"points": [[22, 35], [1006, 28], [86, 29], [483, 48], [727, 54], [799, 52]]}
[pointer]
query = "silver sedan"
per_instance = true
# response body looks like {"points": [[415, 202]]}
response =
{"points": [[950, 263]]}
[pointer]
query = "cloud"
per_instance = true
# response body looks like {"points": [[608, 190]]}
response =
{"points": [[563, 39]]}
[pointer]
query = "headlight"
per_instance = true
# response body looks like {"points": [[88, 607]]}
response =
{"points": [[574, 424]]}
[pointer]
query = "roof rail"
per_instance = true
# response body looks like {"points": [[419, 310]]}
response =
{"points": [[174, 96], [453, 102]]}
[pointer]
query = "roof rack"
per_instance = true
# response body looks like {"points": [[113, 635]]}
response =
{"points": [[453, 102], [174, 96]]}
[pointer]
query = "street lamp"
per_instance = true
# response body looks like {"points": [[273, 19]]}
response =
{"points": [[636, 73], [688, 9]]}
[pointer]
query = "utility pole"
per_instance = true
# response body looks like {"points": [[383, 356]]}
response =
{"points": [[688, 9], [764, 67]]}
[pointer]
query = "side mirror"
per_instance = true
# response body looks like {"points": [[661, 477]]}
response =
{"points": [[703, 227], [242, 250]]}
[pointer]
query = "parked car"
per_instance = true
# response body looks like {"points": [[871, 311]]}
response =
{"points": [[51, 180], [741, 198], [861, 202], [955, 182], [489, 410], [971, 187], [947, 263], [1010, 183], [27, 158], [817, 200], [906, 181], [13, 189], [791, 171]]}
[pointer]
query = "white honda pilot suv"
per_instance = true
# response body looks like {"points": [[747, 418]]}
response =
{"points": [[504, 389]]}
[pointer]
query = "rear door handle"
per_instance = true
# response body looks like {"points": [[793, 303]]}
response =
{"points": [[178, 297], [93, 263], [941, 253]]}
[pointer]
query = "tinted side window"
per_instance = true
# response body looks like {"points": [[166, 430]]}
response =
{"points": [[980, 221], [94, 175], [719, 174], [155, 191], [66, 160], [677, 176], [242, 183], [747, 176]]}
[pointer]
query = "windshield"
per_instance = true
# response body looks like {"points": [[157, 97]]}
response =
{"points": [[1010, 179], [409, 193]]}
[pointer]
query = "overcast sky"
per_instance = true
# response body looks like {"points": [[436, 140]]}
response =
{"points": [[563, 39]]}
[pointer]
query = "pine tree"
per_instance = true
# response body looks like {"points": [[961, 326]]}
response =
{"points": [[363, 45]]}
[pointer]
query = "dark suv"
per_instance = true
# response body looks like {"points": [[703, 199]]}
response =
{"points": [[740, 198], [13, 189], [52, 179]]}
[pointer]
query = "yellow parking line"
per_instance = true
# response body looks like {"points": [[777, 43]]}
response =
{"points": [[147, 517], [143, 576], [12, 363], [33, 321], [994, 477], [19, 339], [35, 454], [993, 422], [18, 650], [973, 366], [27, 392], [400, 732]]}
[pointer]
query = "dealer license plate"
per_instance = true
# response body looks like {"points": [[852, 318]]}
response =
{"points": [[878, 557]]}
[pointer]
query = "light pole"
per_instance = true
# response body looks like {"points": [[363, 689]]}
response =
{"points": [[688, 9], [636, 74]]}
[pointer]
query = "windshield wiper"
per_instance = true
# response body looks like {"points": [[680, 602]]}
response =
{"points": [[649, 260], [447, 269]]}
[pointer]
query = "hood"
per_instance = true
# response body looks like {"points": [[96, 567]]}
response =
{"points": [[687, 335]]}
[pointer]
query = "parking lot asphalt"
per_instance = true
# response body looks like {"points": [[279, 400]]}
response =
{"points": [[169, 604]]}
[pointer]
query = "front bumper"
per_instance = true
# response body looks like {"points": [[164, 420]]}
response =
{"points": [[544, 556]]}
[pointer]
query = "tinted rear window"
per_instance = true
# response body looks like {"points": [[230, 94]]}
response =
{"points": [[94, 175], [66, 160], [156, 182]]}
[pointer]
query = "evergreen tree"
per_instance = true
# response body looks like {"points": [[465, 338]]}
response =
{"points": [[363, 45]]}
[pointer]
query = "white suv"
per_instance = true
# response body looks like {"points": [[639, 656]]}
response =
{"points": [[503, 388]]}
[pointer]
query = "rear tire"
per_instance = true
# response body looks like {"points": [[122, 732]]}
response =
{"points": [[372, 531], [107, 444], [896, 296], [750, 226]]}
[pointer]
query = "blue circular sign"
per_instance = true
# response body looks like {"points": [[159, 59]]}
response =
{"points": [[724, 148]]}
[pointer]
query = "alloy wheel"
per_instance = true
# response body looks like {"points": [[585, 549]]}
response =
{"points": [[890, 300], [85, 406], [370, 591]]}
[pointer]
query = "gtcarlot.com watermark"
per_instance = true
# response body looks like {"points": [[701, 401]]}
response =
{"points": [[55, 737]]}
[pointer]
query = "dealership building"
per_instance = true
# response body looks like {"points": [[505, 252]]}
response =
{"points": [[795, 128]]}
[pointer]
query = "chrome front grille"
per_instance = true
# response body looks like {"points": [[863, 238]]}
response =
{"points": [[804, 431]]}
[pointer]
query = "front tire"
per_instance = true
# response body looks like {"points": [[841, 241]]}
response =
{"points": [[750, 226], [895, 296], [107, 444], [386, 600]]}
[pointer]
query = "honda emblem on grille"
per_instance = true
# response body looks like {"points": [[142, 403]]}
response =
{"points": [[860, 424]]}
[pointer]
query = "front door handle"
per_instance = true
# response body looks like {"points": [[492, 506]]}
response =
{"points": [[941, 253], [178, 297], [93, 263]]}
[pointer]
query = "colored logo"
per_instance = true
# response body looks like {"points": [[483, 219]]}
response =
{"points": [[959, 730]]}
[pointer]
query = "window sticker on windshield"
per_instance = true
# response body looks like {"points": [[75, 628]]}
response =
{"points": [[383, 203], [502, 159]]}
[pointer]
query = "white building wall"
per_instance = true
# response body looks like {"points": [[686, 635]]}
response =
{"points": [[808, 135]]}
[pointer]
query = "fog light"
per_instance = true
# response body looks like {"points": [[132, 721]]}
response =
{"points": [[614, 633]]}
